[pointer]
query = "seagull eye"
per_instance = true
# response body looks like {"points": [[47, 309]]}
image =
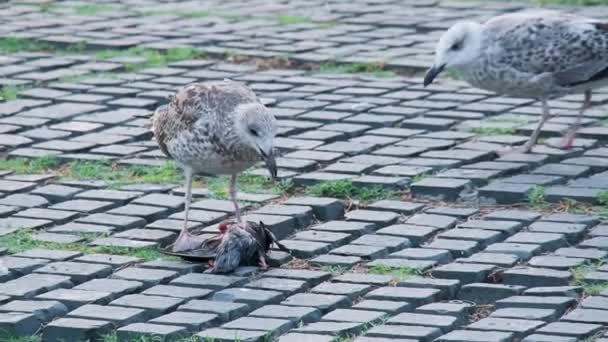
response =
{"points": [[253, 132], [456, 46]]}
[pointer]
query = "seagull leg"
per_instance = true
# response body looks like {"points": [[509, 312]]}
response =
{"points": [[237, 211], [185, 240], [530, 143], [569, 137]]}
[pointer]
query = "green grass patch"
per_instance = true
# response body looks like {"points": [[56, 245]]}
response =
{"points": [[153, 57], [115, 175], [10, 338], [23, 240], [220, 186], [590, 288], [536, 197], [10, 45], [365, 69], [345, 189], [114, 338], [284, 19], [118, 175], [37, 165], [401, 273], [92, 9], [9, 93], [419, 177], [493, 130]]}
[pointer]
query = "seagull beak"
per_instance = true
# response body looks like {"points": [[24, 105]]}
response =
{"points": [[271, 163], [432, 73]]}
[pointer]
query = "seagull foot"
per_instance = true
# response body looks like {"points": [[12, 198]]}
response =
{"points": [[511, 150], [568, 141], [186, 241]]}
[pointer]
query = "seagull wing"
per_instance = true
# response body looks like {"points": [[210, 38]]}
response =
{"points": [[204, 106], [572, 49]]}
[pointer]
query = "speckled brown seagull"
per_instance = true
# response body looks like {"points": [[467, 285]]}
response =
{"points": [[216, 128]]}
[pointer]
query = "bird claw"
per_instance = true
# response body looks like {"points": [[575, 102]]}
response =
{"points": [[568, 141], [186, 241], [263, 265]]}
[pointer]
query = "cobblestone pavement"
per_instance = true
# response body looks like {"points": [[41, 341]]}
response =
{"points": [[441, 249]]}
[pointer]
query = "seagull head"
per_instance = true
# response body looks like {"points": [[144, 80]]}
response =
{"points": [[459, 46], [257, 126]]}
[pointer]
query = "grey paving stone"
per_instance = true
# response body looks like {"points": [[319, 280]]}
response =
{"points": [[209, 281], [323, 302], [49, 254], [586, 316], [556, 262], [226, 311], [193, 321], [558, 303], [484, 294], [548, 338], [398, 332], [520, 327], [335, 260], [353, 291], [363, 251], [272, 326], [31, 285], [148, 330], [498, 259], [78, 272], [430, 220], [523, 251], [416, 234], [515, 215], [72, 298], [440, 188], [115, 314], [85, 206], [527, 313], [415, 296], [380, 218], [153, 306], [566, 291], [476, 336], [547, 241], [116, 287], [437, 255], [534, 277], [451, 211], [311, 277], [76, 329], [252, 297], [43, 310], [364, 278], [390, 307], [148, 277], [293, 313], [296, 337], [177, 291], [119, 221], [349, 227], [506, 227], [578, 330], [458, 309], [289, 286], [458, 248]]}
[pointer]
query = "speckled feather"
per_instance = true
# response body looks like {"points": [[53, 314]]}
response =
{"points": [[542, 53], [197, 127]]}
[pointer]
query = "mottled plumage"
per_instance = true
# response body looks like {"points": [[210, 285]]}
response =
{"points": [[540, 54], [214, 128], [242, 245]]}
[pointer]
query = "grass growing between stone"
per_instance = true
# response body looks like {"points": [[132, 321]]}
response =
{"points": [[536, 197], [363, 69], [9, 93], [590, 288], [37, 165], [118, 176], [488, 131], [10, 45], [23, 240], [398, 274], [220, 186], [284, 19], [345, 189], [152, 58], [20, 338], [114, 338]]}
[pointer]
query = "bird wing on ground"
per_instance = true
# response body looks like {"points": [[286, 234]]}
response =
{"points": [[207, 102], [229, 254], [572, 49]]}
